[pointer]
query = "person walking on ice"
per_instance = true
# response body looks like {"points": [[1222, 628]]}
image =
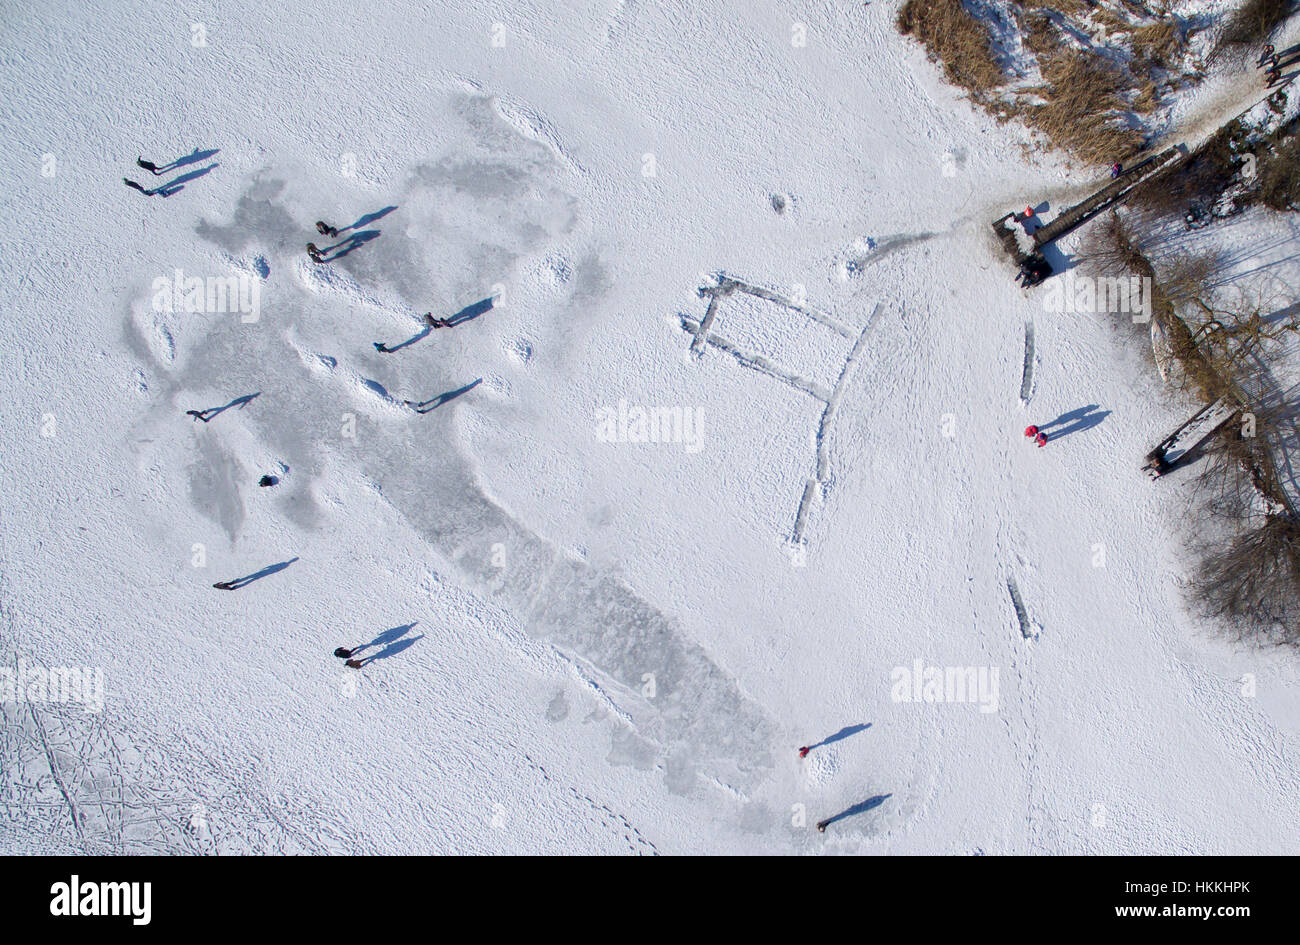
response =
{"points": [[1037, 435], [324, 229], [314, 254], [350, 656]]}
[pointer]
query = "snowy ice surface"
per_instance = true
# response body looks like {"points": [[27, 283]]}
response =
{"points": [[584, 646]]}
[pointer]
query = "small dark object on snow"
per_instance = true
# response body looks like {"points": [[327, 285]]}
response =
{"points": [[1034, 270], [381, 347], [1116, 169], [803, 752], [343, 653], [314, 253], [132, 184], [149, 166], [355, 664], [225, 585], [268, 481], [198, 415], [324, 229], [821, 825], [1266, 55], [436, 322], [1156, 464]]}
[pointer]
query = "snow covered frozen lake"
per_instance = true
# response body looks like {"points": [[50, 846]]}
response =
{"points": [[581, 638]]}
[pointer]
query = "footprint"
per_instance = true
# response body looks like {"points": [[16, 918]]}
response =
{"points": [[521, 350]]}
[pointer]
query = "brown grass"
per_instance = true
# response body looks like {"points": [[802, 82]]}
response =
{"points": [[1064, 7], [1161, 45], [1041, 34], [959, 41], [1083, 110], [1252, 24], [1086, 105], [1279, 176]]}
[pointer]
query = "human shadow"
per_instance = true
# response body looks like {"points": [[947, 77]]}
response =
{"points": [[469, 313], [178, 184], [843, 733], [192, 158], [368, 219], [859, 808], [393, 641], [1084, 418], [388, 636], [1283, 79], [353, 242], [393, 649], [441, 399], [207, 414], [418, 336], [237, 583]]}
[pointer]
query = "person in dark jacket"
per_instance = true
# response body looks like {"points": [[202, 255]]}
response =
{"points": [[314, 253], [324, 229], [149, 166]]}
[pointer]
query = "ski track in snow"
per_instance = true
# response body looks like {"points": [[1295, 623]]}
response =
{"points": [[1027, 374]]}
